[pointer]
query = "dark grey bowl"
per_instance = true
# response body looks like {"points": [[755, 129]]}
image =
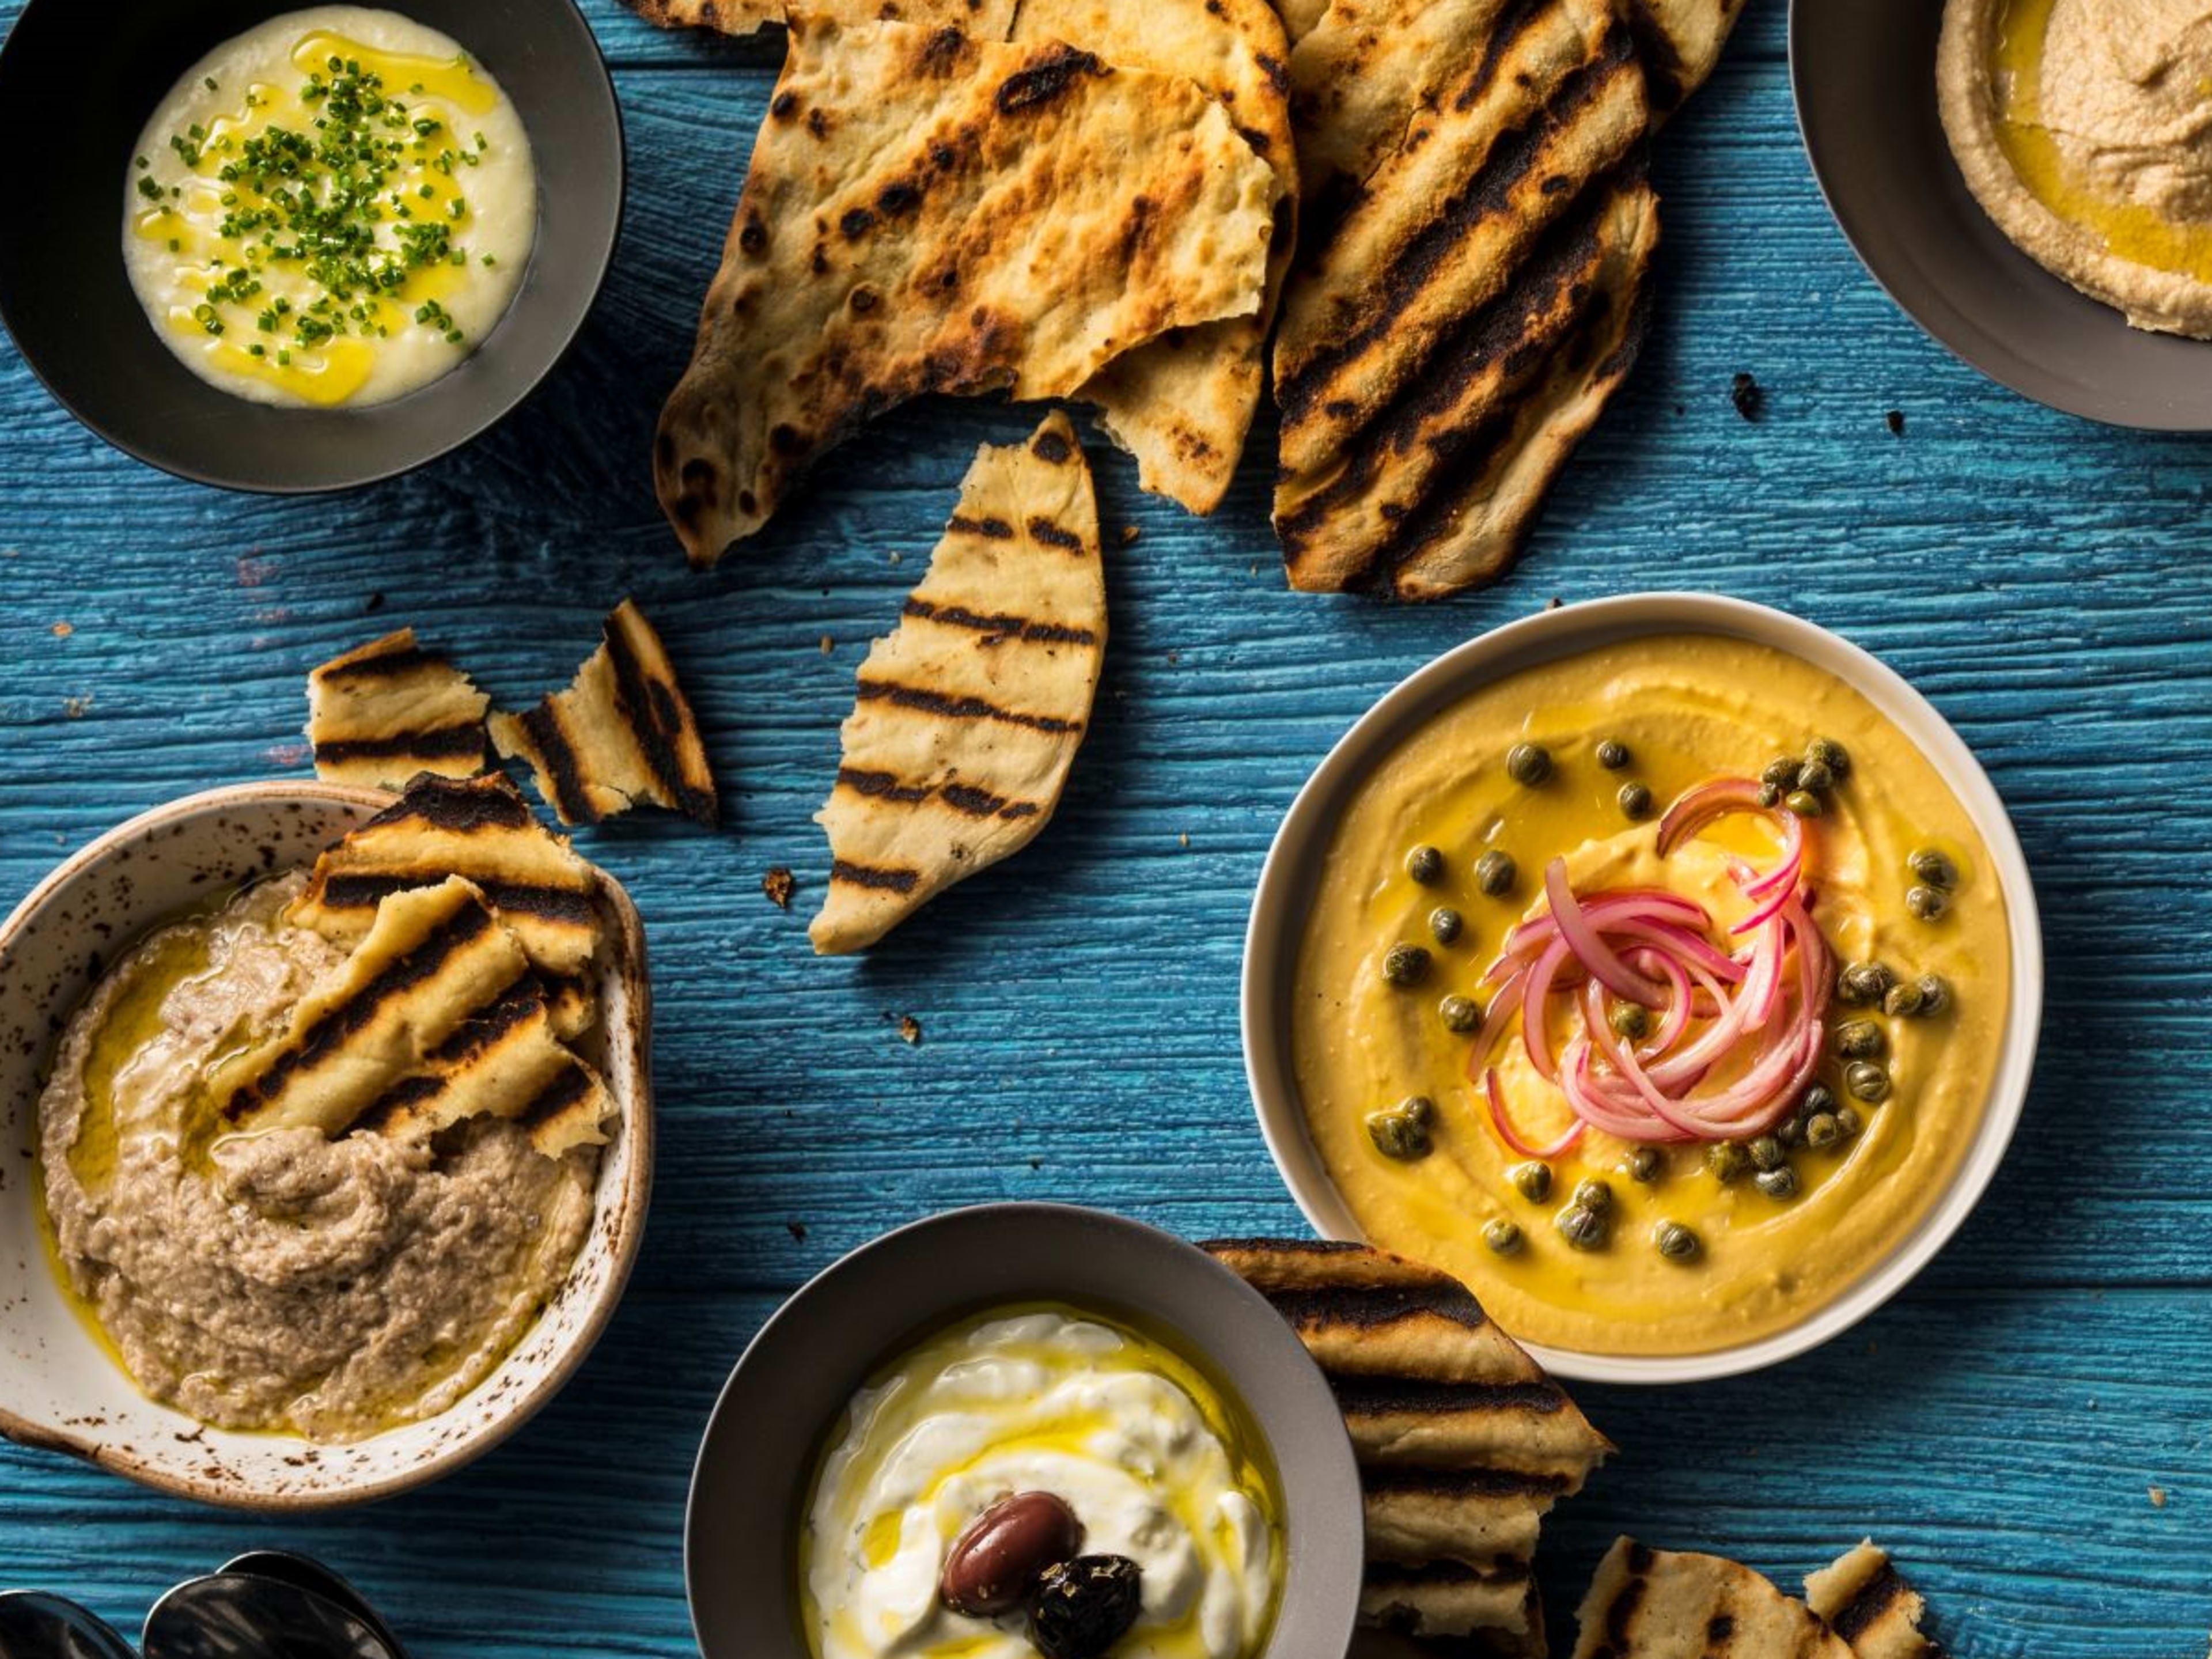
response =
{"points": [[76, 84], [750, 1488], [1864, 73]]}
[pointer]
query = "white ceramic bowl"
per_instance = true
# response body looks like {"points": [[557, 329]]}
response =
{"points": [[58, 1389], [1281, 907]]}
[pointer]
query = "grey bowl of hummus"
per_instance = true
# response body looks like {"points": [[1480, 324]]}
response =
{"points": [[1022, 1429], [275, 1315]]}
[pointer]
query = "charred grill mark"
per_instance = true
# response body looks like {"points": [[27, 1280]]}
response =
{"points": [[982, 804], [1391, 1396], [874, 876], [522, 999], [323, 1035], [1050, 446], [994, 529], [651, 708], [1718, 1629], [1504, 34], [561, 766], [882, 785], [924, 701], [1005, 623], [1390, 1575], [1619, 1617], [962, 798], [1267, 1246], [457, 806], [566, 1090], [383, 665], [1366, 1308], [1383, 1482], [1044, 530], [441, 742], [366, 892], [1664, 71], [1046, 81], [1873, 1599]]}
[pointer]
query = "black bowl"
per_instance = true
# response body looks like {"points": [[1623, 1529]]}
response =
{"points": [[1864, 75], [76, 86]]}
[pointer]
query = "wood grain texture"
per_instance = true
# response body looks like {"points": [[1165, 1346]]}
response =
{"points": [[2045, 582]]}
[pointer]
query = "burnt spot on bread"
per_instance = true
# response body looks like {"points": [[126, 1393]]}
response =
{"points": [[1047, 80], [856, 222], [1050, 446]]}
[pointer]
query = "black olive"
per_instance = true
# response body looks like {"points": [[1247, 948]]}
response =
{"points": [[1082, 1607]]}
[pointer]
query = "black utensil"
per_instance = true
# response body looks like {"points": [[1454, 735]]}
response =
{"points": [[236, 1615], [36, 1626], [311, 1575]]}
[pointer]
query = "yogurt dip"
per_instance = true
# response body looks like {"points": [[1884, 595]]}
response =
{"points": [[333, 207], [1158, 1466]]}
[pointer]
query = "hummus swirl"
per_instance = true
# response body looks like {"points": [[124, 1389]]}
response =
{"points": [[2084, 128], [283, 1280]]}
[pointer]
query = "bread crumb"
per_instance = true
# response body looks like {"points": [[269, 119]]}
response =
{"points": [[1895, 421], [1184, 838], [2158, 1497], [62, 630], [797, 1229], [827, 644], [1129, 534], [779, 884], [76, 708], [910, 1029], [1747, 395]]}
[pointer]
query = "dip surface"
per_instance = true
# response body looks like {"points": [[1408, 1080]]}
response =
{"points": [[1688, 708], [2084, 128], [281, 1281], [334, 208], [1157, 1464]]}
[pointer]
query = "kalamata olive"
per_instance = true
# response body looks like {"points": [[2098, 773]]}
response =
{"points": [[1082, 1607], [1004, 1552]]}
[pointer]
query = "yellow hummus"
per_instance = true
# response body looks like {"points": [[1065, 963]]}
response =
{"points": [[2084, 128], [1689, 709]]}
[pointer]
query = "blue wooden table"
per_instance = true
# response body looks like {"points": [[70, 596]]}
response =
{"points": [[2029, 1427]]}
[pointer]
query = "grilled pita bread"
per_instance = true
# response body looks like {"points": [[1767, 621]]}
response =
{"points": [[1474, 292], [435, 1017], [1463, 1443], [622, 735], [986, 19], [969, 714], [925, 213], [1299, 17], [1182, 404], [1653, 1604], [481, 828], [1866, 1603], [1681, 41], [388, 710]]}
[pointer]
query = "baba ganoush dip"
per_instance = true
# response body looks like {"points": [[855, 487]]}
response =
{"points": [[1158, 1466], [281, 1281], [2084, 129], [1719, 818], [333, 207]]}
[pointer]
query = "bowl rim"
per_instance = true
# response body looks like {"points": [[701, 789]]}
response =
{"points": [[523, 1403], [1277, 909], [496, 410], [1340, 1471]]}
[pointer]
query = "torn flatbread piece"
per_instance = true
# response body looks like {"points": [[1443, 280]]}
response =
{"points": [[1462, 316], [969, 714], [385, 711], [1868, 1603], [1463, 1443], [436, 1016], [1182, 404], [926, 213], [1655, 1604], [1681, 42], [986, 19], [481, 828], [622, 735]]}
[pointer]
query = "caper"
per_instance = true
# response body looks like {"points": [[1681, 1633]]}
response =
{"points": [[1848, 1121], [1859, 1039], [1495, 872], [1781, 772], [1532, 1180], [1529, 762], [1826, 752], [1635, 799], [1863, 982], [1397, 1134], [1776, 1183], [1459, 1014], [1815, 777], [1612, 754], [1727, 1160], [1934, 994], [1504, 1237], [1406, 964], [1630, 1020], [1675, 1242], [1818, 1098], [1584, 1229], [1822, 1131], [1933, 868], [1765, 1153], [1903, 1001], [1867, 1081], [1927, 903], [1594, 1196], [1424, 864], [1791, 1131], [1769, 794], [1446, 924], [1419, 1108], [1645, 1164], [1804, 803]]}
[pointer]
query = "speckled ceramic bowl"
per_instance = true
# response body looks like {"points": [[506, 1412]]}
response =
{"points": [[58, 1389], [756, 1464]]}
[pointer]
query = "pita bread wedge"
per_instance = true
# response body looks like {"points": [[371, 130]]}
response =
{"points": [[1681, 41], [1475, 291], [481, 828], [1870, 1606], [1653, 1604], [925, 213], [622, 735], [1463, 1443], [1182, 404], [969, 714], [435, 1017], [986, 19], [383, 712]]}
